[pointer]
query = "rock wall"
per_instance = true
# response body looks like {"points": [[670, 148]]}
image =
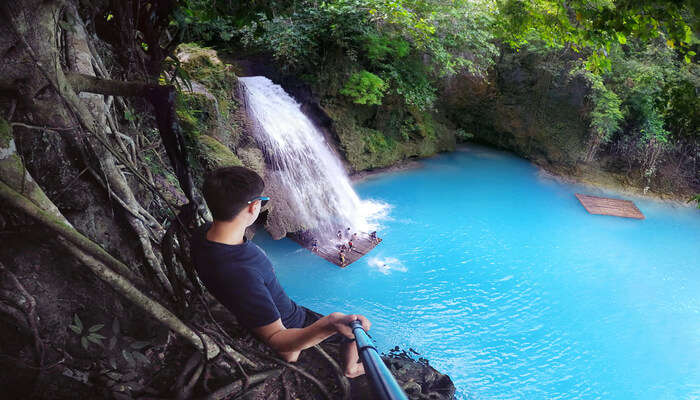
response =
{"points": [[531, 105], [526, 105]]}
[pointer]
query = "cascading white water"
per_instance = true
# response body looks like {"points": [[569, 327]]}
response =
{"points": [[317, 188]]}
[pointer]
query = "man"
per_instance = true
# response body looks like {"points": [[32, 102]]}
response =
{"points": [[239, 274]]}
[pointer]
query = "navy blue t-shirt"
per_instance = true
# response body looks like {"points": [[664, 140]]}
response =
{"points": [[242, 278]]}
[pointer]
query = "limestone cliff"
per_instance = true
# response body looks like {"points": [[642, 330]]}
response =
{"points": [[530, 104]]}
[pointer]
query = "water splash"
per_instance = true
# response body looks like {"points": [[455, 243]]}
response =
{"points": [[387, 264], [317, 189]]}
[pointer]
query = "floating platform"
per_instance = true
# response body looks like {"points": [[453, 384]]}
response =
{"points": [[362, 245], [608, 206]]}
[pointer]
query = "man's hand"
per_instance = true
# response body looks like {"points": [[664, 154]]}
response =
{"points": [[341, 323]]}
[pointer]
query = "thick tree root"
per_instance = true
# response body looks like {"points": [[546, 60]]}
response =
{"points": [[238, 385], [93, 256], [30, 310]]}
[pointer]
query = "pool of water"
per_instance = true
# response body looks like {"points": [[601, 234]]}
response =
{"points": [[503, 281]]}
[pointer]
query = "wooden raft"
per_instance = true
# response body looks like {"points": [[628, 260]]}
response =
{"points": [[360, 246], [607, 206]]}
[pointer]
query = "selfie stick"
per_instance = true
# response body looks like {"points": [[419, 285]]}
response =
{"points": [[381, 379]]}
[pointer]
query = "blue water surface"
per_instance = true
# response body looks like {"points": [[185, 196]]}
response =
{"points": [[502, 280]]}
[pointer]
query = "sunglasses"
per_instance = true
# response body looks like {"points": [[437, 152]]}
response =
{"points": [[263, 200]]}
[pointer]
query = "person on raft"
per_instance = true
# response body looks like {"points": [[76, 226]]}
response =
{"points": [[341, 257], [373, 236], [239, 274]]}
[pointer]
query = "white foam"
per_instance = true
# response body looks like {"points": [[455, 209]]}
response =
{"points": [[387, 264]]}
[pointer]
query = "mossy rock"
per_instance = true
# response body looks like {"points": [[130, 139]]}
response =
{"points": [[214, 154], [252, 157], [197, 114], [367, 148], [5, 133], [203, 65], [212, 99]]}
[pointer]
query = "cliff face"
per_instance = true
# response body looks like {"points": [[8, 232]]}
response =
{"points": [[525, 107], [531, 105]]}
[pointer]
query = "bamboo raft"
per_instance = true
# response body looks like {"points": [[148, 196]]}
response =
{"points": [[608, 206], [362, 245]]}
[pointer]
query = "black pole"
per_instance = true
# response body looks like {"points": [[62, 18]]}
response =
{"points": [[382, 381]]}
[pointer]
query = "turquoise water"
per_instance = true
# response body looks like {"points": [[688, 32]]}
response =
{"points": [[502, 280]]}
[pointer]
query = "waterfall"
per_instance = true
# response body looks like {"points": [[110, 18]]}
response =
{"points": [[317, 190]]}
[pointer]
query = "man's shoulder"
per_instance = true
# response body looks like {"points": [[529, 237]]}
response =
{"points": [[197, 239]]}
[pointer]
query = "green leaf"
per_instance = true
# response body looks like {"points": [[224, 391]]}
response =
{"points": [[621, 37], [84, 342], [139, 345], [687, 59], [688, 34], [96, 328], [129, 358], [75, 329], [95, 338], [78, 322]]}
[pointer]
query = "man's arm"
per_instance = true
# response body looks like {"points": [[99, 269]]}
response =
{"points": [[290, 342]]}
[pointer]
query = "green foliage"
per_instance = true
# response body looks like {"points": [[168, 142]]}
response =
{"points": [[652, 82], [596, 25], [696, 199], [606, 115], [412, 83], [380, 48], [122, 347], [647, 98], [5, 133], [408, 44], [463, 136], [376, 142], [365, 87], [88, 336], [202, 20]]}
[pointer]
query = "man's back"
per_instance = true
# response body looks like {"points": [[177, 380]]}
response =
{"points": [[241, 277]]}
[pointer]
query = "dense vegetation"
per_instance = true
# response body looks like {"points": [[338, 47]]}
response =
{"points": [[639, 58]]}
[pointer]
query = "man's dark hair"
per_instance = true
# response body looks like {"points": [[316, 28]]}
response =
{"points": [[227, 190]]}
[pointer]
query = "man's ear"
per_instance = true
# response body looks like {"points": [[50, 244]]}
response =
{"points": [[251, 208]]}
